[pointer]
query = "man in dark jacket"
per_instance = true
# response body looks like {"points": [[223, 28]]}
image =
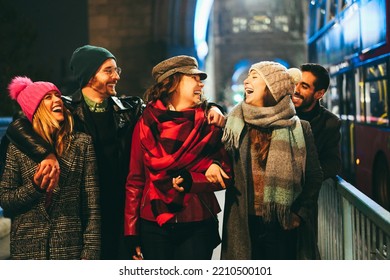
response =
{"points": [[324, 124], [110, 121]]}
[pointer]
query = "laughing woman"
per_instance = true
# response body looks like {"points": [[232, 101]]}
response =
{"points": [[60, 222], [177, 162], [269, 211]]}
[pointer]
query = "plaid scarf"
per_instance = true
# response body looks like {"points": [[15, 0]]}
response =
{"points": [[174, 141], [286, 159]]}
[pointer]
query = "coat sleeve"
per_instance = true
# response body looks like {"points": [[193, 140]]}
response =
{"points": [[90, 205], [306, 203], [329, 154], [200, 182], [17, 193], [21, 133], [135, 184]]}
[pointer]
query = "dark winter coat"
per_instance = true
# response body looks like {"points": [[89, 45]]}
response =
{"points": [[70, 227], [235, 238], [326, 131], [112, 141]]}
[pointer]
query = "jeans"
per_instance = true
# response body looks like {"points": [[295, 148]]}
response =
{"points": [[179, 241], [270, 241]]}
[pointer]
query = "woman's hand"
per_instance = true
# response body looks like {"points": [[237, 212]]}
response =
{"points": [[48, 173], [215, 116], [43, 177], [295, 221], [215, 174], [176, 182], [138, 254]]}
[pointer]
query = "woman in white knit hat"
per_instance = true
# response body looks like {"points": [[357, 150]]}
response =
{"points": [[268, 212]]}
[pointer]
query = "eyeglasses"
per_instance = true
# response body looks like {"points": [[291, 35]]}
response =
{"points": [[110, 71]]}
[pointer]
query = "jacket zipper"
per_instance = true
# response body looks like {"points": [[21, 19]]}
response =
{"points": [[143, 201]]}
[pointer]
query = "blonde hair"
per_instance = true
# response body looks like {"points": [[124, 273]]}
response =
{"points": [[51, 130]]}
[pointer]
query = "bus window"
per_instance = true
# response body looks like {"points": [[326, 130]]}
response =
{"points": [[321, 14], [345, 3], [350, 95], [312, 28], [376, 94], [331, 99], [360, 108], [346, 90], [332, 9]]}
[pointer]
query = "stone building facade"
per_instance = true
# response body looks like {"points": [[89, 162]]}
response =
{"points": [[143, 32]]}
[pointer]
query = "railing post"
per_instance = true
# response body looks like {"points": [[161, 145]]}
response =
{"points": [[347, 229]]}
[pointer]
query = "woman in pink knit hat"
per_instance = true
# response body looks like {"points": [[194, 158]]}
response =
{"points": [[59, 222]]}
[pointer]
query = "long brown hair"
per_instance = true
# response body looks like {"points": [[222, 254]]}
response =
{"points": [[163, 90], [261, 140], [51, 130]]}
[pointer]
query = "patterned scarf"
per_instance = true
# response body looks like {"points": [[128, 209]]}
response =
{"points": [[285, 165], [174, 141]]}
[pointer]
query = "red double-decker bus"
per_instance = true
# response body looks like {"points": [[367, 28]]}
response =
{"points": [[352, 39]]}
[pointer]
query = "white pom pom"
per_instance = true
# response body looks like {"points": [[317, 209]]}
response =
{"points": [[295, 74]]}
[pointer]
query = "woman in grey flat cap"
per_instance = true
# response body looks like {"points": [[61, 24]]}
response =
{"points": [[177, 163]]}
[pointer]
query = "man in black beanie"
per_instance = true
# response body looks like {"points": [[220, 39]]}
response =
{"points": [[110, 121]]}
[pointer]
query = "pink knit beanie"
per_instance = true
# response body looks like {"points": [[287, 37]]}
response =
{"points": [[29, 94], [279, 79]]}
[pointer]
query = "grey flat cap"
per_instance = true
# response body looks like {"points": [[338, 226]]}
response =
{"points": [[178, 64]]}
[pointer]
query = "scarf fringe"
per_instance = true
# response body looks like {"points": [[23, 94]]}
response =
{"points": [[230, 139], [233, 128], [281, 213]]}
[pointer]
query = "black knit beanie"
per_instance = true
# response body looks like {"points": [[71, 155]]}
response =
{"points": [[86, 60]]}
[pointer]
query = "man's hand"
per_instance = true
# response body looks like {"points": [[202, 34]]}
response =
{"points": [[215, 116]]}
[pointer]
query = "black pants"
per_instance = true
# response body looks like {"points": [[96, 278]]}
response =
{"points": [[270, 241], [179, 241]]}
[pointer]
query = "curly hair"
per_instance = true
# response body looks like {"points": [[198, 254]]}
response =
{"points": [[165, 89]]}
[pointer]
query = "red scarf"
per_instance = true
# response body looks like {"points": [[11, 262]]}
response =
{"points": [[173, 141]]}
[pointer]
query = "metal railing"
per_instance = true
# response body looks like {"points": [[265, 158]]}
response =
{"points": [[351, 226], [4, 122]]}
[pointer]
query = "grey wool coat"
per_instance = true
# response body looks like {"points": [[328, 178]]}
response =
{"points": [[235, 237], [70, 227]]}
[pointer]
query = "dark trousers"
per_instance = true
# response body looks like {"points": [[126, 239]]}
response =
{"points": [[270, 241], [179, 241], [112, 241]]}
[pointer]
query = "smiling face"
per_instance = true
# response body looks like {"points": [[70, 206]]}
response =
{"points": [[105, 80], [188, 93], [53, 103], [305, 95], [255, 89]]}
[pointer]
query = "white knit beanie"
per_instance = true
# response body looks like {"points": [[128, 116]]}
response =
{"points": [[280, 80]]}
